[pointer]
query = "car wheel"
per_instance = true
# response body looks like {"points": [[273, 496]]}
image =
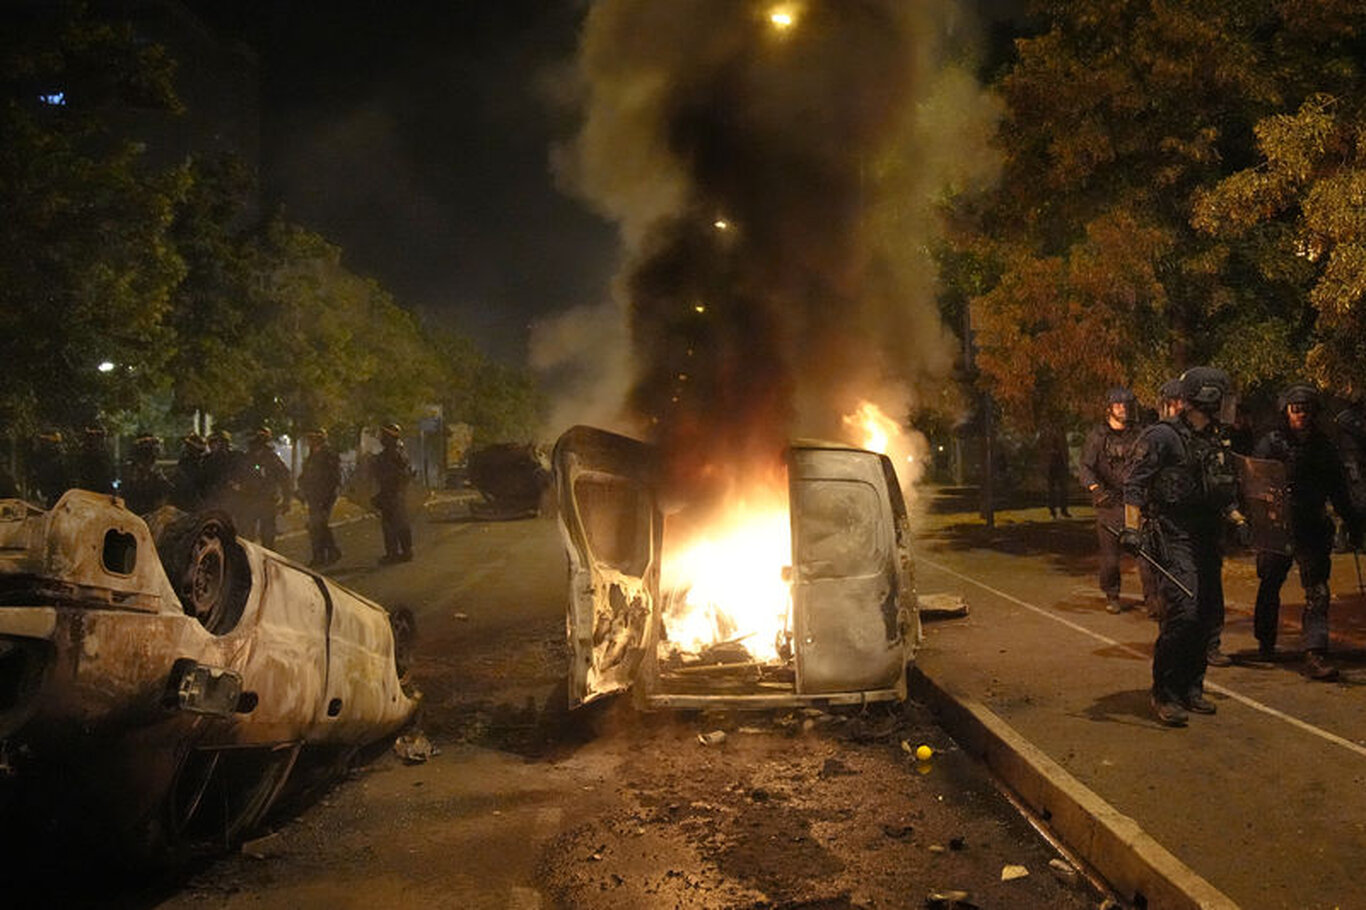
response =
{"points": [[208, 568]]}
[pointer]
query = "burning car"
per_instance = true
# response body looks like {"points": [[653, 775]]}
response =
{"points": [[164, 684], [804, 598]]}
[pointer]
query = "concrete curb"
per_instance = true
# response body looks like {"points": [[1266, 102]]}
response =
{"points": [[1140, 869]]}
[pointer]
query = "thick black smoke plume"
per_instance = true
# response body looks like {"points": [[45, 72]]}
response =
{"points": [[772, 166]]}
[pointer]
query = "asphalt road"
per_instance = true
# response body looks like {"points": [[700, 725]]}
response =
{"points": [[1265, 800], [521, 804]]}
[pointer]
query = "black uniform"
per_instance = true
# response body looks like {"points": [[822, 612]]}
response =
{"points": [[1057, 473], [319, 481], [1351, 424], [222, 472], [266, 487], [144, 487], [48, 477], [391, 474], [93, 467], [188, 481], [1314, 477], [1183, 480], [1105, 458]]}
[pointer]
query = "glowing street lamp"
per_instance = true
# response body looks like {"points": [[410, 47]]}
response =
{"points": [[106, 366], [783, 17]]}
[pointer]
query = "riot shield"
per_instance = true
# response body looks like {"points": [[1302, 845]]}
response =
{"points": [[1262, 491]]}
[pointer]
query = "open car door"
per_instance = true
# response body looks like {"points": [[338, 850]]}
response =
{"points": [[613, 532], [852, 598]]}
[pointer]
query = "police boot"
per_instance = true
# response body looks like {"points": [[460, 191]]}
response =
{"points": [[1217, 658], [1168, 713], [1197, 703], [1317, 667]]}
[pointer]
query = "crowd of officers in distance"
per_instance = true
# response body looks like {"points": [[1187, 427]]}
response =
{"points": [[1169, 494], [251, 485]]}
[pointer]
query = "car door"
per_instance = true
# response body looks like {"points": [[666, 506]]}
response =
{"points": [[850, 591], [613, 533]]}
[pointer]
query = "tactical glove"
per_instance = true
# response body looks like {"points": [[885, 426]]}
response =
{"points": [[1239, 529]]}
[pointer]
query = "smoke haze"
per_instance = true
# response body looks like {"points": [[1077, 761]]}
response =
{"points": [[773, 189]]}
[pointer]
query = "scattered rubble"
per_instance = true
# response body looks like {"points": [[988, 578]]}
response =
{"points": [[414, 747]]}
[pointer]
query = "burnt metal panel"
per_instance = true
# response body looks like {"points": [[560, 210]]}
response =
{"points": [[613, 532], [846, 578]]}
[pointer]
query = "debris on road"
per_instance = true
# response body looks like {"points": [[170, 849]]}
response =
{"points": [[1010, 872], [415, 748], [262, 847], [1063, 871], [949, 900], [714, 738], [941, 606]]}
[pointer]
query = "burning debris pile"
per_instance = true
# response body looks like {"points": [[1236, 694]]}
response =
{"points": [[772, 168]]}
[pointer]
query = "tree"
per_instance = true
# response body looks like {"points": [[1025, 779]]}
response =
{"points": [[1118, 112], [500, 403], [1298, 216], [86, 271], [326, 345]]}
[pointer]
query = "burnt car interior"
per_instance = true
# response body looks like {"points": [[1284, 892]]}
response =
{"points": [[833, 620]]}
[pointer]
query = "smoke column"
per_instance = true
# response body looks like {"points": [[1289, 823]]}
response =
{"points": [[772, 168]]}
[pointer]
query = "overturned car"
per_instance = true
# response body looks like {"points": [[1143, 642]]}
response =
{"points": [[164, 684], [842, 621]]}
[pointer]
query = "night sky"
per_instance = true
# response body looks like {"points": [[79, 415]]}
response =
{"points": [[418, 137]]}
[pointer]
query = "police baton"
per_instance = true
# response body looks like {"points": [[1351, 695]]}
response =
{"points": [[1152, 561]]}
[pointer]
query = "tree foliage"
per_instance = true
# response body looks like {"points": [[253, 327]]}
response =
{"points": [[164, 275], [86, 268], [1113, 258]]}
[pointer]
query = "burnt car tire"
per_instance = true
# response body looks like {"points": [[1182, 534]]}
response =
{"points": [[208, 568]]}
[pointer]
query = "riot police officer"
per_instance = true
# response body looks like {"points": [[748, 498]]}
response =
{"points": [[48, 477], [222, 472], [391, 475], [1314, 476], [1180, 492], [266, 486], [1103, 465], [188, 483], [93, 465], [144, 487], [318, 483]]}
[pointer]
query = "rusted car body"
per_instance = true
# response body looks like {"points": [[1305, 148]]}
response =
{"points": [[163, 684], [855, 622]]}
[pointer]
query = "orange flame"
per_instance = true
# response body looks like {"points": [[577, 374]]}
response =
{"points": [[875, 431], [728, 582]]}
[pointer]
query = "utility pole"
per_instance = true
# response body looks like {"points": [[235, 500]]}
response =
{"points": [[984, 406]]}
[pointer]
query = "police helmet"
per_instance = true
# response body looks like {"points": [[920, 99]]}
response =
{"points": [[194, 442], [145, 440], [262, 434], [392, 430], [1119, 395], [316, 435], [1170, 391], [1204, 387], [1299, 393], [220, 436]]}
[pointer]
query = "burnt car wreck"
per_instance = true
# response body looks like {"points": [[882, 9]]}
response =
{"points": [[164, 684], [848, 620]]}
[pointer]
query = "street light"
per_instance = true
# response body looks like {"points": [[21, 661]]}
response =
{"points": [[106, 366], [783, 16]]}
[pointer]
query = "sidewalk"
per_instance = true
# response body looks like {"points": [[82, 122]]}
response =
{"points": [[1261, 805]]}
